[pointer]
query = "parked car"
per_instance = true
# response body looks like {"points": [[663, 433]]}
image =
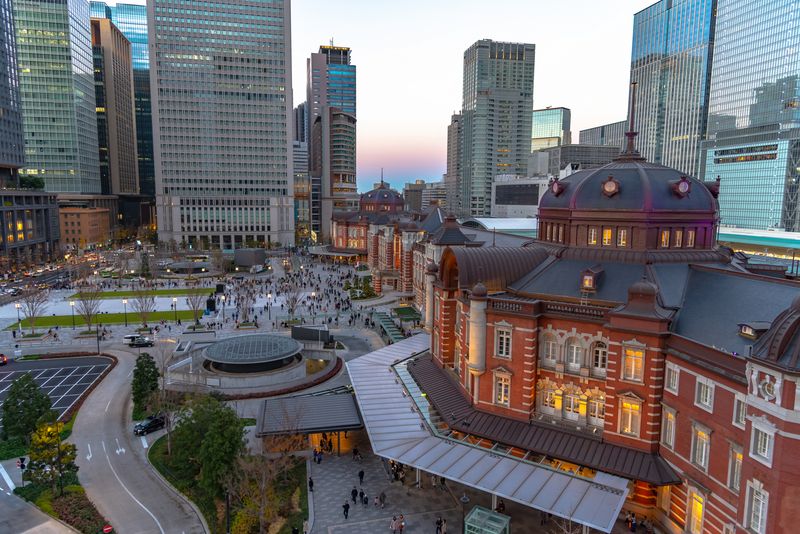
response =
{"points": [[3, 359], [151, 424], [141, 342]]}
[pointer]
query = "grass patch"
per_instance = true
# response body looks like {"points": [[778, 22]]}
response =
{"points": [[31, 336], [176, 292], [13, 448], [105, 318], [30, 357], [296, 483]]}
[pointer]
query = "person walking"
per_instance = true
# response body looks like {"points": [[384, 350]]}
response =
{"points": [[361, 478], [439, 525], [310, 484], [444, 526], [393, 525], [382, 498], [354, 494], [361, 496], [402, 524], [346, 509]]}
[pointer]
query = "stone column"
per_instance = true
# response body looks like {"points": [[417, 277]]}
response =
{"points": [[477, 330], [430, 276], [377, 283]]}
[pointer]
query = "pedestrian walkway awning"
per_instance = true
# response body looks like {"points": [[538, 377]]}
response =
{"points": [[324, 250], [399, 430], [308, 415]]}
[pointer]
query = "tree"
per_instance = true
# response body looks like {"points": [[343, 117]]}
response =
{"points": [[144, 264], [244, 302], [50, 458], [165, 402], [144, 303], [218, 260], [196, 302], [34, 303], [291, 293], [144, 382], [207, 441], [88, 303], [23, 406]]}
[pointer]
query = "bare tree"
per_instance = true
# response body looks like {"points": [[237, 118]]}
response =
{"points": [[292, 291], [218, 260], [196, 302], [88, 304], [123, 264], [34, 303], [144, 303], [245, 301], [164, 401]]}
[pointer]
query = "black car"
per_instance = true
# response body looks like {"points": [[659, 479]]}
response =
{"points": [[142, 342], [151, 424]]}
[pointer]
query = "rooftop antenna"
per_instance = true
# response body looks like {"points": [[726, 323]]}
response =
{"points": [[630, 153], [382, 184], [331, 42]]}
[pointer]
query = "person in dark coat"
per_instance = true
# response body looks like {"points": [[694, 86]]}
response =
{"points": [[361, 478], [354, 494], [310, 484], [346, 509]]}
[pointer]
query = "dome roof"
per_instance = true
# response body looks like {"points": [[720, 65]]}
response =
{"points": [[630, 185], [383, 194]]}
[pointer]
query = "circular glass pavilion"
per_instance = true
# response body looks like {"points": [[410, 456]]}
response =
{"points": [[254, 353]]}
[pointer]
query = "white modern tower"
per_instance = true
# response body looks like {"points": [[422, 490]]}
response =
{"points": [[222, 113]]}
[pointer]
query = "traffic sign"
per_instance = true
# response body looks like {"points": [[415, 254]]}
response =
{"points": [[108, 529]]}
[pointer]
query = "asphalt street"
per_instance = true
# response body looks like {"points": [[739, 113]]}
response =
{"points": [[113, 463]]}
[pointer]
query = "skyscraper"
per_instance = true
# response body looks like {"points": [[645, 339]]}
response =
{"points": [[58, 100], [550, 127], [301, 123], [753, 141], [131, 20], [452, 177], [12, 141], [496, 118], [331, 82], [116, 123], [222, 115], [671, 62], [302, 191], [606, 134]]}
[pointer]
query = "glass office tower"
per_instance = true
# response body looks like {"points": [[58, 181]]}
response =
{"points": [[753, 141], [606, 134], [496, 118], [550, 127], [222, 115], [12, 141], [671, 62], [58, 100], [131, 20]]}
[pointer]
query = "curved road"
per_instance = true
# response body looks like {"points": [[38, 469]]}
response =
{"points": [[113, 464]]}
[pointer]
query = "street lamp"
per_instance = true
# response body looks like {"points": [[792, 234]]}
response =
{"points": [[125, 304], [17, 305], [313, 311], [269, 305], [223, 306], [175, 307], [464, 502], [72, 306]]}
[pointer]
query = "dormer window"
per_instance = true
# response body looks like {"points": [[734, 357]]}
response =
{"points": [[622, 237], [592, 239], [753, 329], [664, 241], [590, 278], [608, 237]]}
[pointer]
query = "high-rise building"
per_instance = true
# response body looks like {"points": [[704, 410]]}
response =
{"points": [[331, 82], [116, 123], [671, 63], [222, 116], [332, 162], [753, 141], [452, 178], [302, 191], [54, 51], [29, 230], [607, 134], [412, 194], [301, 123], [434, 193], [496, 118], [131, 20], [550, 127]]}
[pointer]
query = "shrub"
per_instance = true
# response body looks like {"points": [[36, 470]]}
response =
{"points": [[75, 509]]}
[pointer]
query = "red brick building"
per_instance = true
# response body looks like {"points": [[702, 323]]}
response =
{"points": [[625, 340]]}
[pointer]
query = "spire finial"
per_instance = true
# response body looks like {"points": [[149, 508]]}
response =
{"points": [[382, 184], [630, 153]]}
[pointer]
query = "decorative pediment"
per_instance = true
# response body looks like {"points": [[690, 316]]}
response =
{"points": [[628, 394]]}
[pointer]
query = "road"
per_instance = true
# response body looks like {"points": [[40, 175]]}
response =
{"points": [[113, 464]]}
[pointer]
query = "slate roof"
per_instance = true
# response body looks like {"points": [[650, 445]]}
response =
{"points": [[496, 267], [433, 220], [536, 436], [562, 278], [323, 413]]}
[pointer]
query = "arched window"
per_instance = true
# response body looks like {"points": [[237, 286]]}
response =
{"points": [[549, 350], [599, 359], [574, 356], [548, 403]]}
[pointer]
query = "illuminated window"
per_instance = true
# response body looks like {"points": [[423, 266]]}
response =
{"points": [[678, 238], [696, 505], [735, 468], [690, 236], [572, 406], [560, 233], [664, 242], [608, 237], [757, 502], [597, 411], [633, 364], [549, 351], [701, 442], [549, 400], [503, 343], [630, 416], [668, 427], [622, 237], [502, 389], [592, 236], [549, 231], [588, 281]]}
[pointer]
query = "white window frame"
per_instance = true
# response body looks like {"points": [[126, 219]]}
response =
{"points": [[701, 446], [595, 406], [735, 460], [740, 409], [761, 435], [704, 394], [622, 237], [664, 499], [755, 487], [625, 356], [572, 345], [635, 430], [502, 386], [669, 421], [546, 407], [672, 378], [549, 348], [600, 353], [608, 236], [573, 411], [591, 238], [690, 517], [502, 349]]}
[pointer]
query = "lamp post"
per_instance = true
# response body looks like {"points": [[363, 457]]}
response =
{"points": [[72, 307], [313, 310], [223, 306], [175, 308], [17, 305], [97, 331], [125, 307], [269, 305], [464, 502]]}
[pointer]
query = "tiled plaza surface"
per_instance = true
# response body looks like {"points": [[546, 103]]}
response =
{"points": [[335, 477]]}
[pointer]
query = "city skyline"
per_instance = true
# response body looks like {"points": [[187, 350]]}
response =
{"points": [[411, 144]]}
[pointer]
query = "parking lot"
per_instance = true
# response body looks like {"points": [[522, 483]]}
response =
{"points": [[63, 379]]}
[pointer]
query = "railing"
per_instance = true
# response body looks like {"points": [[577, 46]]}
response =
{"points": [[574, 309]]}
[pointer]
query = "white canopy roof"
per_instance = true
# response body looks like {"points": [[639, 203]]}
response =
{"points": [[399, 432]]}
